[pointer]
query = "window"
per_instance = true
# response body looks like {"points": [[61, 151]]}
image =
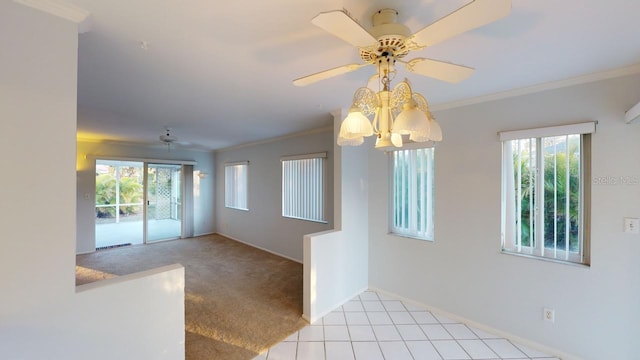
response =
{"points": [[546, 192], [412, 193], [303, 187], [235, 185]]}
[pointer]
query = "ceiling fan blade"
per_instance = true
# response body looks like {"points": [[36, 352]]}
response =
{"points": [[473, 15], [440, 70], [310, 79], [340, 24]]}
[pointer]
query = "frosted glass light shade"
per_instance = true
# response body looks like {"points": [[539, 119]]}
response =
{"points": [[396, 140], [436, 131], [355, 125], [411, 120], [419, 137], [350, 142], [346, 138]]}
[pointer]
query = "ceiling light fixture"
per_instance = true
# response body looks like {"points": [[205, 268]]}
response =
{"points": [[400, 111], [395, 113], [168, 138]]}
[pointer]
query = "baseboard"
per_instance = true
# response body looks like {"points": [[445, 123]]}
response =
{"points": [[85, 252], [311, 320], [528, 343], [204, 234], [194, 236], [109, 247], [259, 247]]}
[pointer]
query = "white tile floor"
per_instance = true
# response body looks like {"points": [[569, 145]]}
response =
{"points": [[373, 326]]}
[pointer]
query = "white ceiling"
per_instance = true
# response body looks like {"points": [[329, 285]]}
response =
{"points": [[219, 72]]}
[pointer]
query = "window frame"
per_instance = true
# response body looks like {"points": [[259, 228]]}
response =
{"points": [[232, 203], [512, 244], [411, 230], [294, 207]]}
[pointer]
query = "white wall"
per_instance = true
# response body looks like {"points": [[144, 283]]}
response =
{"points": [[85, 163], [136, 316], [41, 315], [463, 271], [263, 225], [336, 262]]}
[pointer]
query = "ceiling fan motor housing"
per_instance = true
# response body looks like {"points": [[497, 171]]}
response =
{"points": [[168, 138], [390, 36]]}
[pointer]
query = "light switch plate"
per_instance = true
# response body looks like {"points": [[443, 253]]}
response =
{"points": [[632, 225]]}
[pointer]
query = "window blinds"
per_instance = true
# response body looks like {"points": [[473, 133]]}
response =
{"points": [[303, 187]]}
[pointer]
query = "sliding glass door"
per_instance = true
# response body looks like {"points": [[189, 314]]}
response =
{"points": [[164, 202], [119, 203], [139, 202]]}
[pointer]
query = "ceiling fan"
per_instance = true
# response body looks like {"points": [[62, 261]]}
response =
{"points": [[388, 41], [167, 138]]}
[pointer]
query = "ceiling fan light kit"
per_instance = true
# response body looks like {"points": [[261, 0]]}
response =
{"points": [[410, 110], [399, 111]]}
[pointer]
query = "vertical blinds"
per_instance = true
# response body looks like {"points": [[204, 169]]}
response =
{"points": [[303, 187], [188, 229], [545, 191], [235, 176], [413, 193]]}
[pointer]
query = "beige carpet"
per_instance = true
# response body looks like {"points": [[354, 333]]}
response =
{"points": [[239, 300]]}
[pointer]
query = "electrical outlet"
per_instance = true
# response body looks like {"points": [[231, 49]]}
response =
{"points": [[549, 315]]}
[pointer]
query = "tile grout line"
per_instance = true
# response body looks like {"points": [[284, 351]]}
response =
{"points": [[427, 336], [457, 342], [358, 303], [374, 333], [399, 333]]}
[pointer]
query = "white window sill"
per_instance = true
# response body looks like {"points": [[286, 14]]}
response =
{"points": [[303, 219], [410, 237], [542, 258]]}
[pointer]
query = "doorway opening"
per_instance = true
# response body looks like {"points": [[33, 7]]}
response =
{"points": [[119, 203], [138, 202], [164, 202]]}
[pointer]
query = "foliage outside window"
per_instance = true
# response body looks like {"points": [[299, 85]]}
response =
{"points": [[544, 197], [235, 185], [412, 193], [124, 193]]}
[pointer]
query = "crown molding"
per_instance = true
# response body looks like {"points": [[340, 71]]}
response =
{"points": [[63, 10], [283, 137], [582, 79], [143, 144]]}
